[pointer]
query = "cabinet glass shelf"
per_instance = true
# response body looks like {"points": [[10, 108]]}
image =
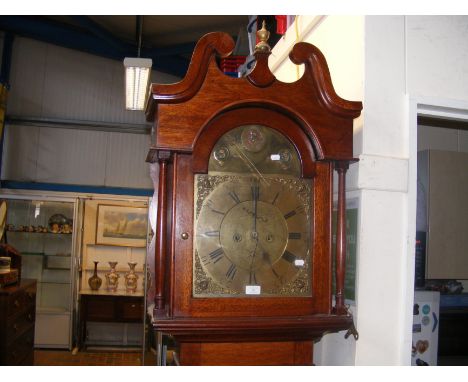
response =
{"points": [[117, 269], [41, 231], [52, 282], [104, 292], [48, 310], [44, 254]]}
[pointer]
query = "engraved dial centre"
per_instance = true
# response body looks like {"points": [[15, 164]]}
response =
{"points": [[245, 234]]}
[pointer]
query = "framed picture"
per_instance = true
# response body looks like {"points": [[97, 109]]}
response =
{"points": [[121, 225], [3, 213]]}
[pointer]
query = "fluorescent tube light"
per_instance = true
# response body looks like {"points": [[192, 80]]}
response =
{"points": [[137, 75]]}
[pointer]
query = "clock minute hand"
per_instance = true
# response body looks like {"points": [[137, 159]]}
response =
{"points": [[255, 194]]}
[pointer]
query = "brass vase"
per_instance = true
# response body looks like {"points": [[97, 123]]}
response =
{"points": [[95, 281], [112, 278]]}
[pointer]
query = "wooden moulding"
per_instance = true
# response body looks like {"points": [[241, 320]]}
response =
{"points": [[214, 130], [182, 109], [209, 45], [298, 328]]}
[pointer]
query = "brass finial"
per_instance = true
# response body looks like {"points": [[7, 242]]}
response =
{"points": [[263, 35]]}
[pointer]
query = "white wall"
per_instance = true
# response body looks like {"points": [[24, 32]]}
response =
{"points": [[57, 84], [341, 40], [77, 157], [404, 56], [437, 56], [383, 175], [48, 81], [400, 57]]}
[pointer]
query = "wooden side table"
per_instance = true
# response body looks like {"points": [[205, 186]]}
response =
{"points": [[101, 306]]}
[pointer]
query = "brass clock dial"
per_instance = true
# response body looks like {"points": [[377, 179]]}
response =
{"points": [[252, 228]]}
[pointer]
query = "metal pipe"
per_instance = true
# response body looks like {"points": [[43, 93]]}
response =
{"points": [[71, 38], [80, 124], [139, 21], [6, 58]]}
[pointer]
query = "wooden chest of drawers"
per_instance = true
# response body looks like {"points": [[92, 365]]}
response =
{"points": [[17, 318]]}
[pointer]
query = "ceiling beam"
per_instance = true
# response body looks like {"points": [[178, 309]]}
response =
{"points": [[57, 34], [73, 38], [172, 49], [100, 32]]}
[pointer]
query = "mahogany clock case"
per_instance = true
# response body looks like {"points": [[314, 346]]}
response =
{"points": [[189, 119], [184, 305]]}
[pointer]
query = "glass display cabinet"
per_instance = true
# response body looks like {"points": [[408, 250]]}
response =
{"points": [[43, 231], [114, 239]]}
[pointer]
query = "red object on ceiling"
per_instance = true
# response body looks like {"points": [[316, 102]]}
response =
{"points": [[281, 24]]}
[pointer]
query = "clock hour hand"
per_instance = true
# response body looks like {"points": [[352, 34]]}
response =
{"points": [[255, 192], [266, 258]]}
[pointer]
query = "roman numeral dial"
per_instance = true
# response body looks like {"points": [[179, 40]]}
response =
{"points": [[234, 196], [252, 234], [216, 255]]}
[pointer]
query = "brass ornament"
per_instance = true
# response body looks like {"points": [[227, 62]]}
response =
{"points": [[263, 36]]}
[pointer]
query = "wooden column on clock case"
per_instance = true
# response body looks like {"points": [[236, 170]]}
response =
{"points": [[188, 118], [161, 232], [341, 167]]}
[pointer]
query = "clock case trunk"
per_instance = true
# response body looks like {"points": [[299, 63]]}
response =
{"points": [[189, 117]]}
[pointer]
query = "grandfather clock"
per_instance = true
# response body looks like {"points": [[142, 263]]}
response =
{"points": [[243, 262]]}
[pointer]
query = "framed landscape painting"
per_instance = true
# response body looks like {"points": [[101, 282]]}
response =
{"points": [[121, 225]]}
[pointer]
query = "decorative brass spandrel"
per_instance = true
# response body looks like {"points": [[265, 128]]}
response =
{"points": [[204, 285]]}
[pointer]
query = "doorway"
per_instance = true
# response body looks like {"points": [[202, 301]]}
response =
{"points": [[441, 126]]}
